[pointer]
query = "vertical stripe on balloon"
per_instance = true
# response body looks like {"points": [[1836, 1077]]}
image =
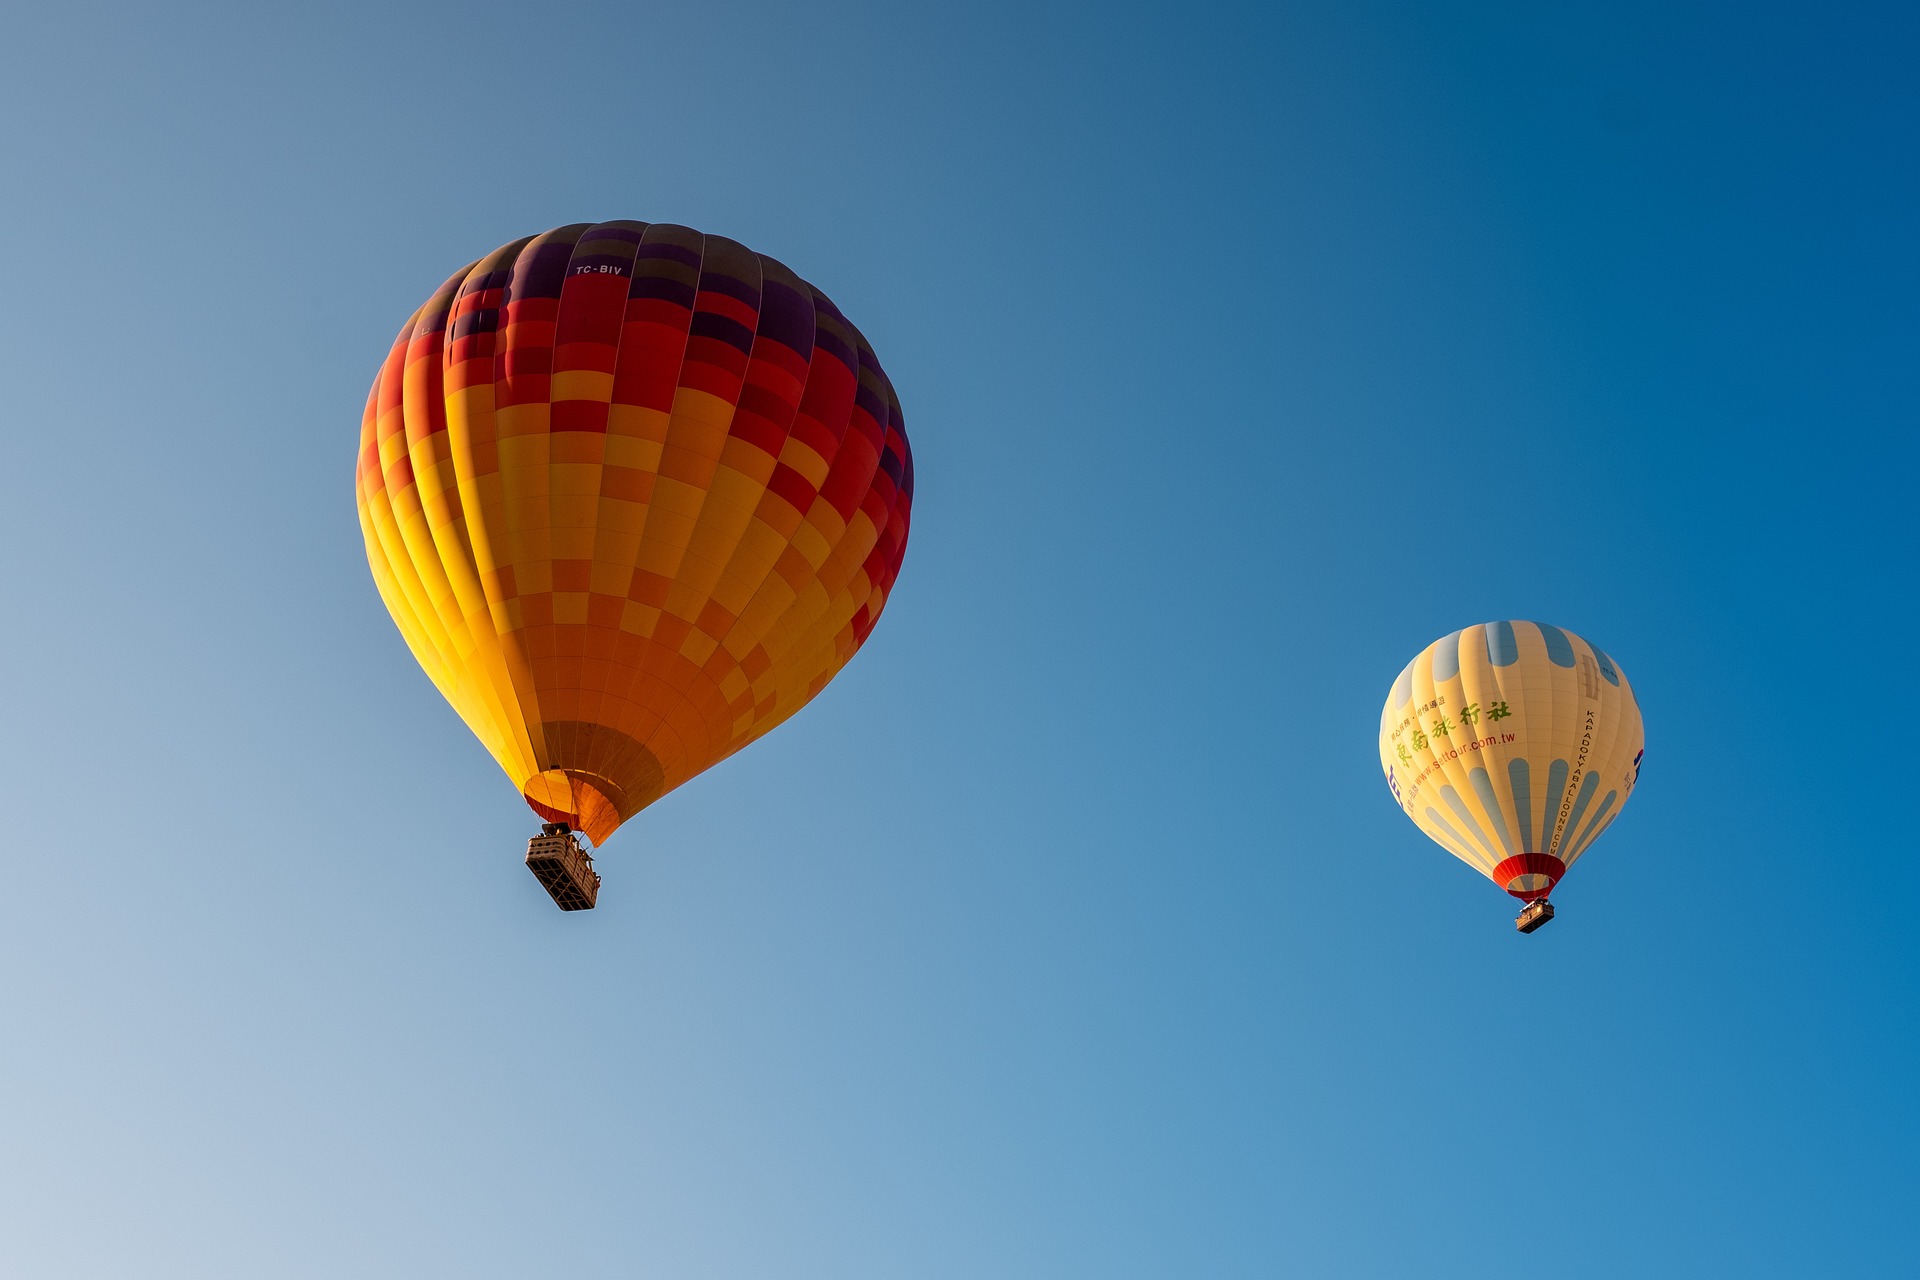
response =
{"points": [[1483, 787], [1467, 820], [1402, 689], [1559, 648], [1587, 787], [1592, 828], [1517, 782], [1606, 667], [1502, 649], [1556, 794], [1446, 658]]}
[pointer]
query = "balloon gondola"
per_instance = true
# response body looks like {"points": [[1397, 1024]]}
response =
{"points": [[633, 495], [1513, 745], [563, 867]]}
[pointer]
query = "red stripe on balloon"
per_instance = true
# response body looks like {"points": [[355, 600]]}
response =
{"points": [[1529, 864]]}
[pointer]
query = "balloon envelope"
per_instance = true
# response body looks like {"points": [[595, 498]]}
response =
{"points": [[633, 495], [1513, 745]]}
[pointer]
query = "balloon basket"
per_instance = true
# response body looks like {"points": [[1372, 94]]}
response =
{"points": [[1531, 917], [563, 867]]}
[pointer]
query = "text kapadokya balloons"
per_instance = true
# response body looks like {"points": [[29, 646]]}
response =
{"points": [[1513, 745], [633, 494]]}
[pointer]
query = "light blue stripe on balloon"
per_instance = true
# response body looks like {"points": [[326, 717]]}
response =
{"points": [[1403, 688], [1597, 833], [1559, 648], [1587, 788], [1606, 667], [1446, 658], [1483, 787], [1433, 816], [1517, 775], [1502, 649], [1556, 790], [1467, 820], [1586, 837]]}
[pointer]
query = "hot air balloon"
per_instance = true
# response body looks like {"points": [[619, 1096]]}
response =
{"points": [[633, 495], [1513, 745]]}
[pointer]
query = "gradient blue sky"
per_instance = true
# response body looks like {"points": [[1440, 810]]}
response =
{"points": [[1072, 933]]}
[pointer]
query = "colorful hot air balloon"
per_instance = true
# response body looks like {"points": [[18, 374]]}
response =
{"points": [[1513, 745], [633, 495]]}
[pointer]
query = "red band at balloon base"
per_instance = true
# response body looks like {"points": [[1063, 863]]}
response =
{"points": [[1529, 864]]}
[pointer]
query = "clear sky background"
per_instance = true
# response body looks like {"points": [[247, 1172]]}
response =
{"points": [[1072, 933]]}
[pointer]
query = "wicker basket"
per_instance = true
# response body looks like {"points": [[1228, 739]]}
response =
{"points": [[563, 868]]}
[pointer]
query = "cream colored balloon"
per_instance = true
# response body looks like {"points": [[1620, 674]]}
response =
{"points": [[1513, 745]]}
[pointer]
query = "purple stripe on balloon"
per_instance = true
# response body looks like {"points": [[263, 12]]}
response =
{"points": [[720, 282], [869, 399], [481, 282], [542, 270], [707, 324], [830, 342], [663, 251], [678, 292], [485, 320], [786, 316], [625, 233]]}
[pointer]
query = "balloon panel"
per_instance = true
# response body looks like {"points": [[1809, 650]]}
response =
{"points": [[633, 495], [1513, 745]]}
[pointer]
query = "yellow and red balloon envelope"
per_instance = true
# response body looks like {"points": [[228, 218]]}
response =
{"points": [[1513, 745], [633, 494]]}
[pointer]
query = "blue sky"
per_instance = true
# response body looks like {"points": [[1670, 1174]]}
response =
{"points": [[1072, 932]]}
